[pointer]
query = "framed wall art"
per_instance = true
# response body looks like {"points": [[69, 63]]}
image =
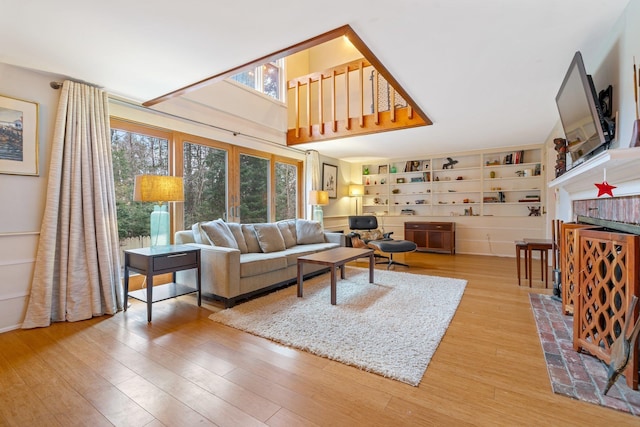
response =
{"points": [[18, 136], [330, 180]]}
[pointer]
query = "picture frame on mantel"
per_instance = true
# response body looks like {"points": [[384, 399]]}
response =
{"points": [[330, 180], [18, 136]]}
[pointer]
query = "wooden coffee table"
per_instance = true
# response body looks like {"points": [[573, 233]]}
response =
{"points": [[334, 259]]}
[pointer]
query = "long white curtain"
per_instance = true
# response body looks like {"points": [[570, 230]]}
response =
{"points": [[77, 270], [313, 178]]}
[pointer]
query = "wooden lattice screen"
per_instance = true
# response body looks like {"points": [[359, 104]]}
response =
{"points": [[607, 279], [569, 263]]}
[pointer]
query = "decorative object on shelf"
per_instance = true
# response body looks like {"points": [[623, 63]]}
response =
{"points": [[407, 212], [534, 210], [450, 163], [492, 174], [19, 136], [605, 187], [159, 189], [417, 179], [560, 145], [437, 178], [426, 176], [383, 169], [520, 173], [425, 165], [368, 182], [412, 166], [400, 181], [365, 171], [356, 190], [330, 180], [459, 178], [395, 190], [383, 181], [393, 169], [318, 199]]}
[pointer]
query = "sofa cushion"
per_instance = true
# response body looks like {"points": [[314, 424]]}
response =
{"points": [[269, 237], [250, 238], [219, 234], [294, 252], [236, 230], [254, 264], [288, 235], [309, 232]]}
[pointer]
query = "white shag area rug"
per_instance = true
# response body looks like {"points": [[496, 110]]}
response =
{"points": [[391, 327]]}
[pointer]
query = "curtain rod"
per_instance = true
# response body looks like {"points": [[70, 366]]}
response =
{"points": [[58, 85], [197, 122]]}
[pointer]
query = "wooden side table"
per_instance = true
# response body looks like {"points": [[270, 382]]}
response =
{"points": [[161, 260], [542, 245]]}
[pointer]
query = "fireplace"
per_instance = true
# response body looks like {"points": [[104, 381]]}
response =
{"points": [[601, 270]]}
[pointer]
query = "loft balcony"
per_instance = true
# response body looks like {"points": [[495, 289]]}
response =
{"points": [[348, 100]]}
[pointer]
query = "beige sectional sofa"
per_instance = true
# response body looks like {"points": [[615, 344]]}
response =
{"points": [[241, 260]]}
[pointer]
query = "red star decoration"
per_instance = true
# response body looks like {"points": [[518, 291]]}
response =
{"points": [[605, 188]]}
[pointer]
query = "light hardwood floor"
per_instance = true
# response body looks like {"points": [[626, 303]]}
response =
{"points": [[185, 370]]}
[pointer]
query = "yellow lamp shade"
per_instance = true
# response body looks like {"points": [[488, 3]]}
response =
{"points": [[356, 190], [158, 188], [318, 198]]}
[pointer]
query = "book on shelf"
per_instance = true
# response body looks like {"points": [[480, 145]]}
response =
{"points": [[514, 158]]}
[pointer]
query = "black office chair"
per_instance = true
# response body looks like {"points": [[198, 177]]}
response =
{"points": [[367, 235]]}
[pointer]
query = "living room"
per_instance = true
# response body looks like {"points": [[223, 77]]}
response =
{"points": [[609, 56]]}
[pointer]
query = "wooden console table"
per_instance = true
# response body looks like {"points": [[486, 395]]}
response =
{"points": [[437, 237]]}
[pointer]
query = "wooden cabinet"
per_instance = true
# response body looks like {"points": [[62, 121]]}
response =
{"points": [[432, 236]]}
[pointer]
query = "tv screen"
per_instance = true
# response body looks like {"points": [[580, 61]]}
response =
{"points": [[580, 112]]}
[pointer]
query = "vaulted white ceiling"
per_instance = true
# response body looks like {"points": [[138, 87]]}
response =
{"points": [[485, 71]]}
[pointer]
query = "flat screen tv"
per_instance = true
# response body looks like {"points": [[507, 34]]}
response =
{"points": [[580, 113]]}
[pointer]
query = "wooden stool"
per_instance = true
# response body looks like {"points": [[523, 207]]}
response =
{"points": [[522, 246], [543, 246]]}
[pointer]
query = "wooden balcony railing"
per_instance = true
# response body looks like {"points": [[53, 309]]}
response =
{"points": [[342, 102]]}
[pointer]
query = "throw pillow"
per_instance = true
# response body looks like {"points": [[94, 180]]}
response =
{"points": [[285, 229], [199, 236], [250, 238], [269, 238], [219, 233], [236, 230], [309, 232]]}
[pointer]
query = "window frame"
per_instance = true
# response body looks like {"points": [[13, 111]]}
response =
{"points": [[176, 140]]}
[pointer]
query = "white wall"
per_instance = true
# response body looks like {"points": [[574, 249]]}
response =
{"points": [[23, 197]]}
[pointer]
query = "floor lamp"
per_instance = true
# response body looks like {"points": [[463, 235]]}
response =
{"points": [[318, 199], [356, 190], [159, 189]]}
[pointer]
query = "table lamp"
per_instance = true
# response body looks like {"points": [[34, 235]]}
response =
{"points": [[159, 189], [356, 190], [318, 199]]}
